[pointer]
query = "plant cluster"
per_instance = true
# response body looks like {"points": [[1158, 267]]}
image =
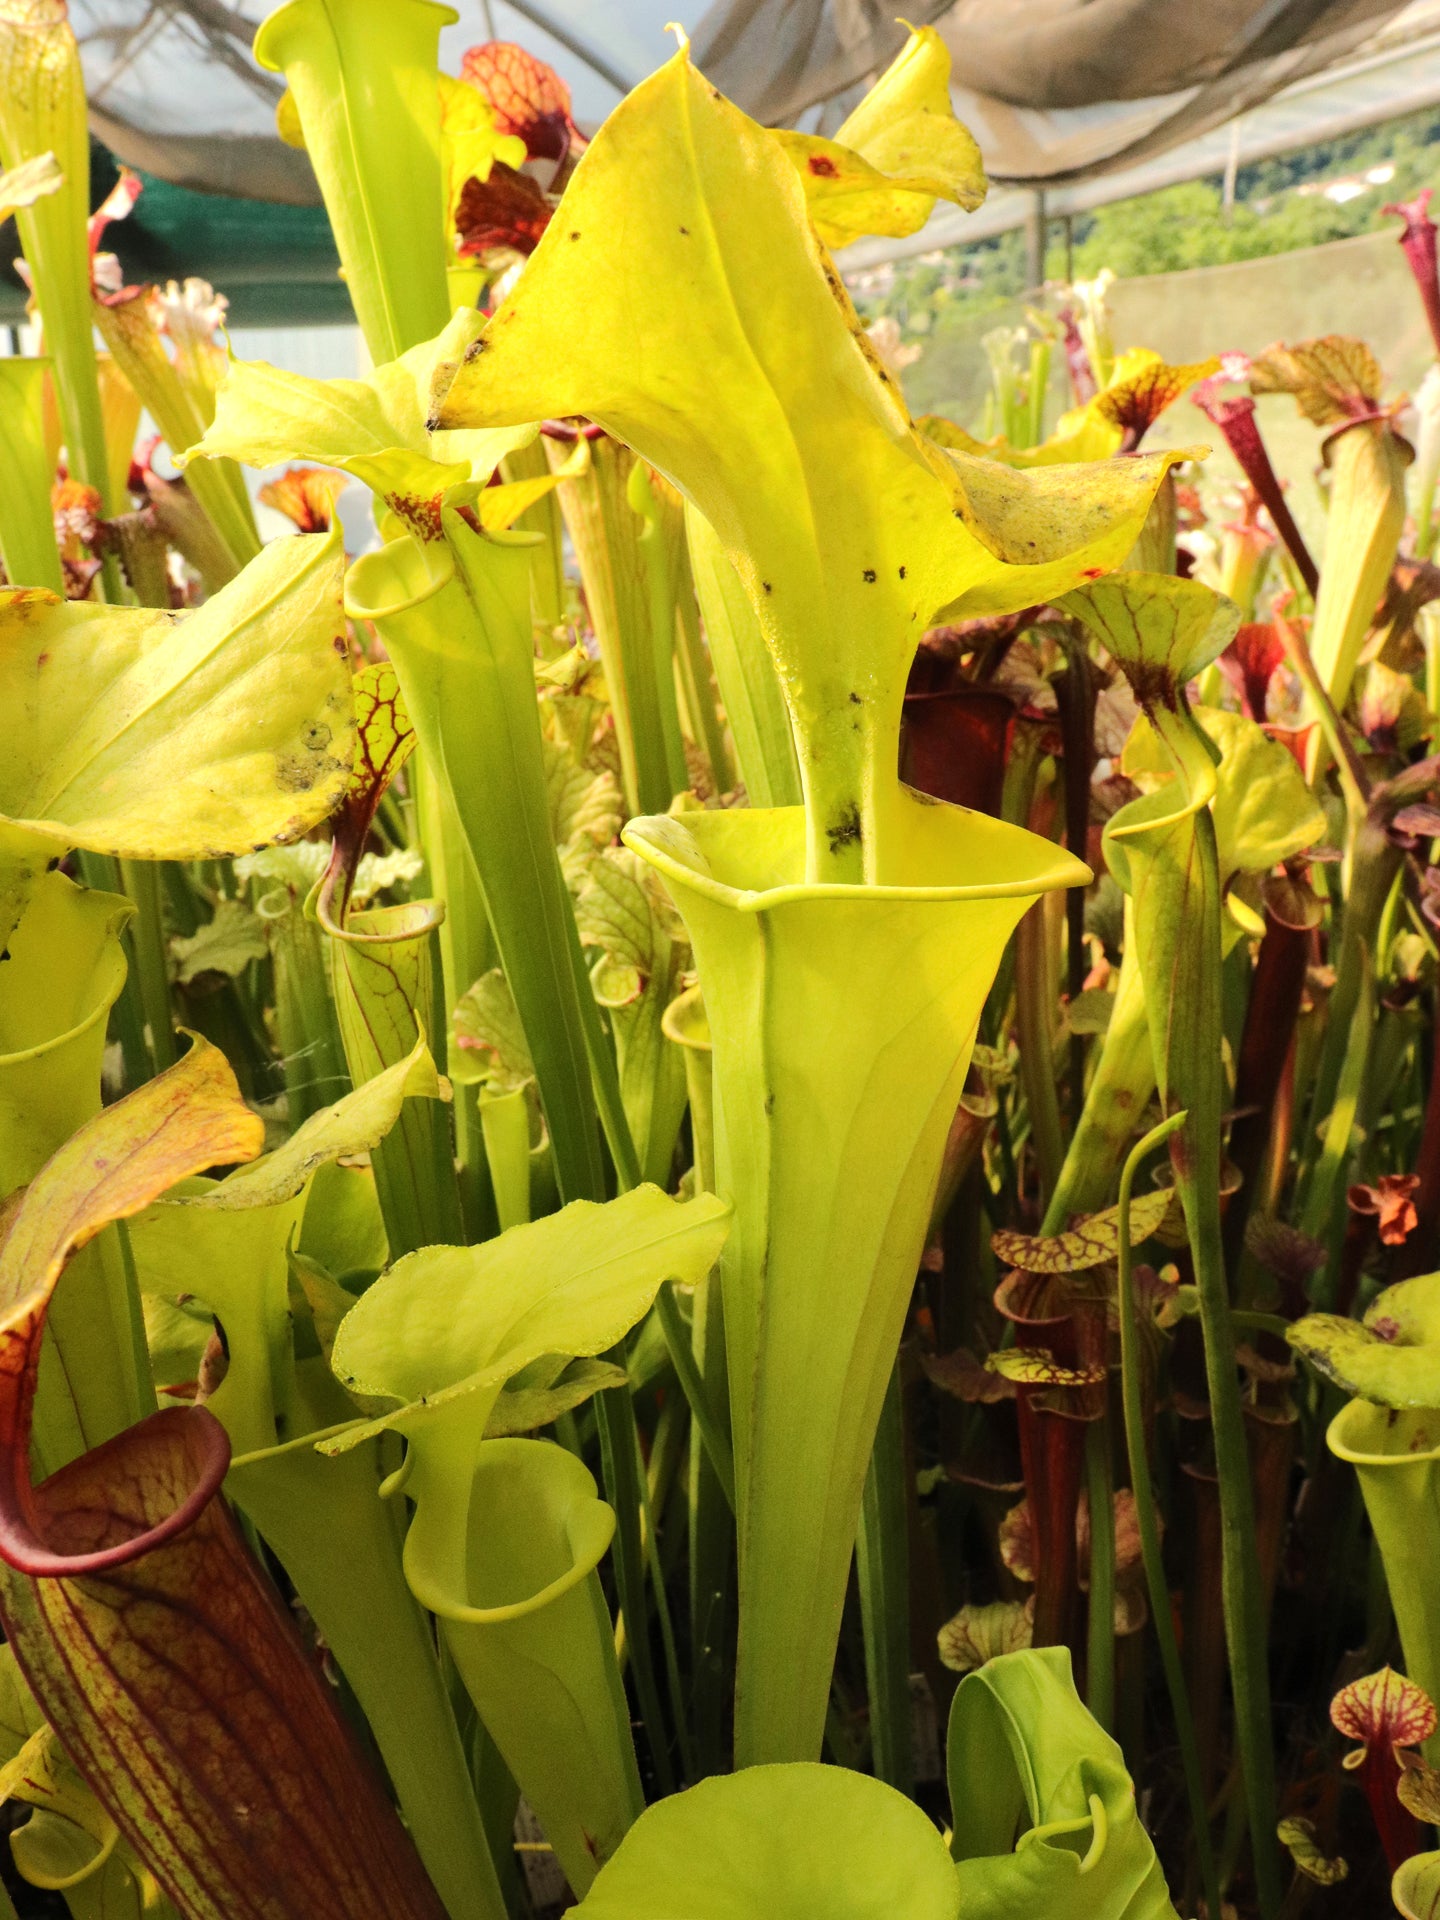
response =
{"points": [[766, 1079]]}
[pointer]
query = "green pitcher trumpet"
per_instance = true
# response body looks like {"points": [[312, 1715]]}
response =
{"points": [[512, 1578], [842, 1020], [1390, 1434], [480, 1343], [455, 618], [363, 77], [42, 110]]}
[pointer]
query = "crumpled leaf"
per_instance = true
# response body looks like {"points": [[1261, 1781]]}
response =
{"points": [[1390, 1202], [226, 943], [162, 736], [1333, 378], [486, 1023], [504, 214], [1298, 1839], [1391, 1357], [448, 1322], [1091, 1243], [624, 912], [586, 809], [899, 151], [728, 356], [786, 1842], [472, 137], [979, 1633]]}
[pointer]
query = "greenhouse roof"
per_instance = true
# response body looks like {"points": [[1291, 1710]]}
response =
{"points": [[1089, 100]]}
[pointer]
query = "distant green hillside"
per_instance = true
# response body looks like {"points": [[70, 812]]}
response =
{"points": [[1176, 227]]}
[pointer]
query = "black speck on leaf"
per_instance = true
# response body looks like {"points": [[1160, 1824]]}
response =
{"points": [[902, 573], [686, 232], [846, 831], [766, 585], [870, 575], [575, 234]]}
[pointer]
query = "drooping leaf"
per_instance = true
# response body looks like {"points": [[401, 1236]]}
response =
{"points": [[1392, 1357], [1023, 1755], [452, 1321], [375, 428], [899, 151], [160, 736], [779, 1843]]}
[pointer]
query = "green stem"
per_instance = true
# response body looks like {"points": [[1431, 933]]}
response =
{"points": [[699, 687], [1196, 1158], [141, 880], [101, 871], [667, 1434], [619, 1461], [1147, 1518], [883, 1575], [1100, 1640], [1122, 1082], [1034, 1010], [678, 1344]]}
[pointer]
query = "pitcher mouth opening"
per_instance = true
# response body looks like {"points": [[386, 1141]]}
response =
{"points": [[752, 859], [1368, 1434]]}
